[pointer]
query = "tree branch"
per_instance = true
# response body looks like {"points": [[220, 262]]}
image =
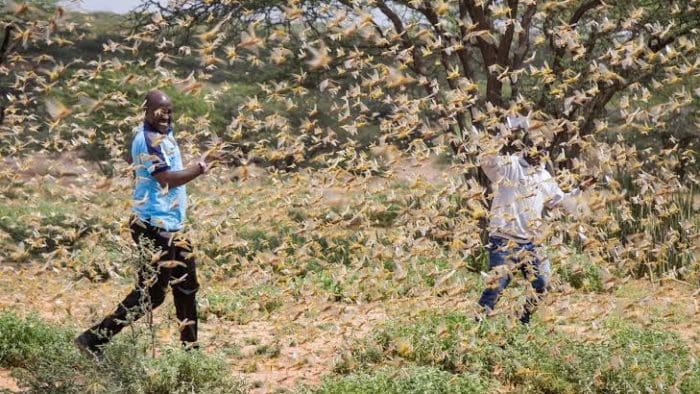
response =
{"points": [[507, 39], [657, 44], [3, 52], [575, 18], [463, 53], [524, 37], [418, 66], [581, 11], [6, 42], [489, 52]]}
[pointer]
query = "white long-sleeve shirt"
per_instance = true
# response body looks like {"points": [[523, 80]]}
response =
{"points": [[521, 191]]}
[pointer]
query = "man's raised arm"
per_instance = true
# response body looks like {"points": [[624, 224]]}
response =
{"points": [[493, 157], [567, 200], [173, 179]]}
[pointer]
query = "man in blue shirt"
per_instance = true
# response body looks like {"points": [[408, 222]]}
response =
{"points": [[160, 202]]}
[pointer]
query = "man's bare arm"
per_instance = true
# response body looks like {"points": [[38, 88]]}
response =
{"points": [[173, 179], [178, 178]]}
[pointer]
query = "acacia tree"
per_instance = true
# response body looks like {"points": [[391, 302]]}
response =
{"points": [[564, 61]]}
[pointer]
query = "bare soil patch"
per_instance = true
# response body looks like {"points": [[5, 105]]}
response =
{"points": [[67, 167], [7, 382]]}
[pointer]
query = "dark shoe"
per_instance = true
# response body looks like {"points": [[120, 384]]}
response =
{"points": [[525, 319], [87, 344]]}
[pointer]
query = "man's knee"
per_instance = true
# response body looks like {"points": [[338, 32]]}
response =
{"points": [[187, 284], [186, 289], [157, 294]]}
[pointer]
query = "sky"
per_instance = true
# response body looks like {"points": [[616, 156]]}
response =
{"points": [[118, 6]]}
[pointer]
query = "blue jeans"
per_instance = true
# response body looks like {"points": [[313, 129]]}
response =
{"points": [[520, 256]]}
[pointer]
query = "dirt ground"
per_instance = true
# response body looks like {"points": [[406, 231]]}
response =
{"points": [[300, 342]]}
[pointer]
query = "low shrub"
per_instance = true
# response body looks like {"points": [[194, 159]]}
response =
{"points": [[634, 359], [584, 276], [414, 380], [178, 371], [44, 360], [24, 340]]}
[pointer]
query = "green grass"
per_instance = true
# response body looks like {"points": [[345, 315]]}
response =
{"points": [[413, 380], [43, 360], [533, 359], [242, 306]]}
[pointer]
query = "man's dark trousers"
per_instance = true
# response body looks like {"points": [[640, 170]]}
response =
{"points": [[517, 255], [175, 267]]}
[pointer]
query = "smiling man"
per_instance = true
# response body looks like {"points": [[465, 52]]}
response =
{"points": [[160, 203]]}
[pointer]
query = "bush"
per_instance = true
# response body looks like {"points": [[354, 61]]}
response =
{"points": [[23, 340], [413, 380], [178, 371], [582, 275], [45, 361], [533, 359], [42, 356]]}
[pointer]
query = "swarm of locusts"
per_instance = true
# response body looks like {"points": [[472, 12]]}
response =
{"points": [[362, 97]]}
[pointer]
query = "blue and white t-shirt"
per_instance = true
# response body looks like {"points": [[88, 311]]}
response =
{"points": [[152, 153]]}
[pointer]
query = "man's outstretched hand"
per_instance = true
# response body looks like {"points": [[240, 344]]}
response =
{"points": [[211, 158]]}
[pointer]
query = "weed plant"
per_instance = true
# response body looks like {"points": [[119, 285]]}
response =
{"points": [[412, 380], [532, 359], [44, 360]]}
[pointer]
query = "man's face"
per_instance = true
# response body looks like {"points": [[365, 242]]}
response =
{"points": [[159, 114], [531, 143]]}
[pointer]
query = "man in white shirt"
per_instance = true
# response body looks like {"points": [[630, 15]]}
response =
{"points": [[521, 187]]}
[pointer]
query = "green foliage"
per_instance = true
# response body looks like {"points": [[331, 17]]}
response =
{"points": [[331, 285], [43, 226], [582, 274], [663, 229], [44, 360], [256, 241], [337, 250], [100, 262], [24, 340], [384, 216], [178, 371], [479, 262], [532, 358], [413, 380], [243, 305]]}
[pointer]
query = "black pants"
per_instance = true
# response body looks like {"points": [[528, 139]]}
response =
{"points": [[175, 268]]}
